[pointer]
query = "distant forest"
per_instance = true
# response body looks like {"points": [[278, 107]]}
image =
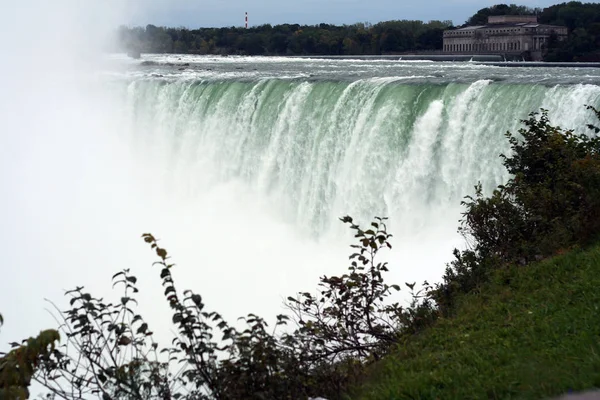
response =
{"points": [[390, 37]]}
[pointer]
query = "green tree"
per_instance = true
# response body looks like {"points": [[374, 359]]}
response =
{"points": [[324, 39], [18, 366], [332, 336], [551, 203], [481, 16]]}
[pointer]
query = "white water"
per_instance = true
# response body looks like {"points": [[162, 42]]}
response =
{"points": [[251, 176], [242, 174]]}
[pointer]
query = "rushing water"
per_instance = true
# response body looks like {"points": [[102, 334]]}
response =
{"points": [[293, 144], [243, 165], [321, 139]]}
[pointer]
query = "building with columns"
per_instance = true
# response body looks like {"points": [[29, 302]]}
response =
{"points": [[510, 35]]}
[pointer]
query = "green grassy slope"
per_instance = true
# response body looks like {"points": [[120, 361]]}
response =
{"points": [[533, 332]]}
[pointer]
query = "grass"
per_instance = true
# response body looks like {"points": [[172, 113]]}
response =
{"points": [[533, 332]]}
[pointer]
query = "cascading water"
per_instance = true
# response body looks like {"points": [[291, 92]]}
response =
{"points": [[319, 150], [242, 167], [293, 155]]}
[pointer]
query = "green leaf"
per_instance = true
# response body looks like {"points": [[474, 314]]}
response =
{"points": [[143, 328], [170, 289], [148, 237], [162, 253], [124, 341], [346, 219], [117, 274], [177, 318], [197, 299]]}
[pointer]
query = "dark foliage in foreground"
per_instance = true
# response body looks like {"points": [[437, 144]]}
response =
{"points": [[18, 366], [551, 203], [325, 344], [109, 352]]}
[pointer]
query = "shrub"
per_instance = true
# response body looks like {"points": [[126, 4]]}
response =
{"points": [[552, 202], [110, 352], [18, 366]]}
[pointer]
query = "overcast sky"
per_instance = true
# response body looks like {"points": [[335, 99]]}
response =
{"points": [[205, 13]]}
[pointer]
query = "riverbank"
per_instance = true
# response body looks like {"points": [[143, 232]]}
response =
{"points": [[532, 333]]}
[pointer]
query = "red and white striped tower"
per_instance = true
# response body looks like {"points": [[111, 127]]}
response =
{"points": [[246, 19]]}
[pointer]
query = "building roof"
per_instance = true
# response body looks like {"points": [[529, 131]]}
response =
{"points": [[507, 22], [470, 28], [507, 26], [511, 19]]}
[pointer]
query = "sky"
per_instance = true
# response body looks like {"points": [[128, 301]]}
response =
{"points": [[208, 13]]}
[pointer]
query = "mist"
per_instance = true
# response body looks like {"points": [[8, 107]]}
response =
{"points": [[77, 193], [54, 136]]}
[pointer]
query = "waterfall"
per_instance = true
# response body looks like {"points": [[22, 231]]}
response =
{"points": [[320, 150]]}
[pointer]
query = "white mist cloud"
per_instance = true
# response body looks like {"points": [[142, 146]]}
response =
{"points": [[50, 128], [75, 200]]}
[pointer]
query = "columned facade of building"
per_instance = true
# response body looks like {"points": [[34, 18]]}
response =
{"points": [[505, 34]]}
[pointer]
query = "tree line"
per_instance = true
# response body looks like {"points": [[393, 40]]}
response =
{"points": [[288, 39], [389, 37], [481, 16], [583, 23]]}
